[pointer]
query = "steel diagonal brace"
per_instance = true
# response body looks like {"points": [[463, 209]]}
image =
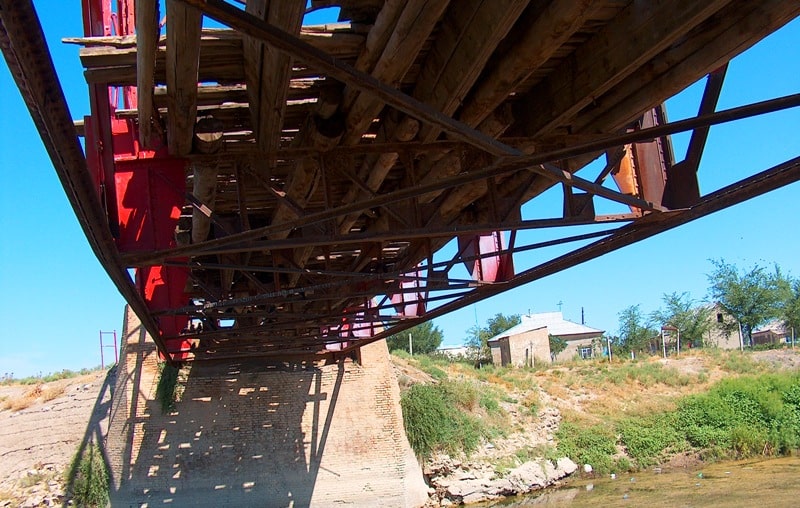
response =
{"points": [[502, 166]]}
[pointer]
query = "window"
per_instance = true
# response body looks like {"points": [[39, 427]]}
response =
{"points": [[585, 352], [719, 317]]}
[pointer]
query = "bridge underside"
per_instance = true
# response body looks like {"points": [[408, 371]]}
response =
{"points": [[282, 189]]}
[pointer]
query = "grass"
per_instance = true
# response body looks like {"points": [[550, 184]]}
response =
{"points": [[623, 415], [167, 387], [740, 417], [452, 416], [24, 401], [87, 478]]}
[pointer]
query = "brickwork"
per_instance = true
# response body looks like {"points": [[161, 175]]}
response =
{"points": [[251, 434]]}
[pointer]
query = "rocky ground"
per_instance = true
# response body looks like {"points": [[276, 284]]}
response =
{"points": [[41, 428]]}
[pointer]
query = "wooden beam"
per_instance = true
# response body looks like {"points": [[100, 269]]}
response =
{"points": [[508, 166], [184, 25], [267, 70], [611, 56], [734, 29], [413, 27], [545, 31], [471, 31], [147, 35]]}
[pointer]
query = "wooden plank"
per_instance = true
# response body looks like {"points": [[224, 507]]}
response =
{"points": [[640, 32], [146, 45], [182, 64], [267, 70]]}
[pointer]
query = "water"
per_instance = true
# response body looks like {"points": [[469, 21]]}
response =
{"points": [[762, 483]]}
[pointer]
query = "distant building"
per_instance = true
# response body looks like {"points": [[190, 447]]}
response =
{"points": [[454, 351], [774, 332], [724, 330], [529, 342]]}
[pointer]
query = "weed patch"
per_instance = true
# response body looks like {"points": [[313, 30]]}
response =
{"points": [[434, 420], [88, 478]]}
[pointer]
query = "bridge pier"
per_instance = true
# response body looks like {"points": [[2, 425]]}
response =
{"points": [[249, 434]]}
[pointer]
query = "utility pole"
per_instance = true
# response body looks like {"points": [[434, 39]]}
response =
{"points": [[741, 337]]}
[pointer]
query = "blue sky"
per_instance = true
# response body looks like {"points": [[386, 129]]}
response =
{"points": [[55, 297]]}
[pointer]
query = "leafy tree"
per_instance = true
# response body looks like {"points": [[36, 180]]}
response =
{"points": [[634, 332], [790, 309], [557, 345], [478, 337], [425, 337], [752, 297], [499, 323], [679, 311]]}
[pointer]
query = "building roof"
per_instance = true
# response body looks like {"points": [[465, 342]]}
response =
{"points": [[555, 323]]}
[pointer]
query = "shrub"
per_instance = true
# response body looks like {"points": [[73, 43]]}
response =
{"points": [[434, 419], [647, 438], [593, 445], [166, 390]]}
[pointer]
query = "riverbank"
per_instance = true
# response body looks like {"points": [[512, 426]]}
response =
{"points": [[728, 484], [603, 415]]}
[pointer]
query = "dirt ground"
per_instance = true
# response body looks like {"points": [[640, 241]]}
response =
{"points": [[38, 442]]}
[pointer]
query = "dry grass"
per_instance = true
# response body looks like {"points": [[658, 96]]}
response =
{"points": [[39, 393], [52, 392]]}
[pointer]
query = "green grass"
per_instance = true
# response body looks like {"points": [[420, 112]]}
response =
{"points": [[595, 445], [737, 418], [433, 421], [88, 480], [166, 389]]}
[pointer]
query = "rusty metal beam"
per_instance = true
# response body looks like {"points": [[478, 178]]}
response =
{"points": [[736, 193], [503, 166]]}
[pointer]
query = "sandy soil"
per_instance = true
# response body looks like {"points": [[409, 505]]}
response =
{"points": [[37, 443]]}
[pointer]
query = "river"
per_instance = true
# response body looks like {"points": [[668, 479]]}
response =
{"points": [[763, 483]]}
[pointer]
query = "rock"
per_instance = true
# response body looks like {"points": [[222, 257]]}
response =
{"points": [[566, 466], [464, 488], [477, 497], [528, 476], [445, 502], [587, 468]]}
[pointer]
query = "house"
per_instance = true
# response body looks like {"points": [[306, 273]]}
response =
{"points": [[455, 352], [529, 342], [724, 330], [774, 332]]}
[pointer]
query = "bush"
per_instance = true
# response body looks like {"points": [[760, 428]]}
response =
{"points": [[744, 416], [646, 439], [593, 445], [434, 418], [88, 478], [166, 389]]}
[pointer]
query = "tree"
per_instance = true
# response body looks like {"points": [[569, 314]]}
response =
{"points": [[790, 308], [679, 311], [425, 338], [478, 337], [557, 345], [634, 332], [751, 297]]}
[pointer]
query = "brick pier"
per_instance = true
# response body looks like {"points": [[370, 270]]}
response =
{"points": [[250, 434]]}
